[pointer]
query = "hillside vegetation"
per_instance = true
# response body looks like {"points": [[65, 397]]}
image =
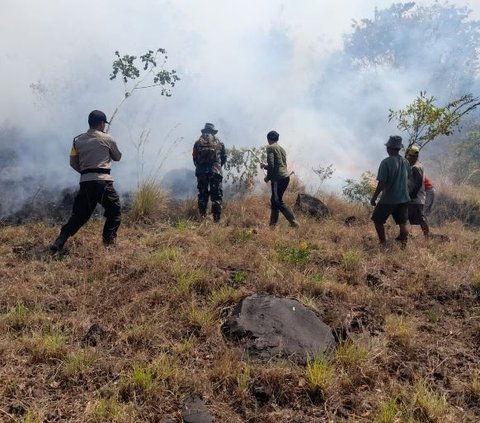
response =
{"points": [[407, 322]]}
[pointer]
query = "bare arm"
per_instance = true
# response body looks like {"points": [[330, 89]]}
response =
{"points": [[380, 187]]}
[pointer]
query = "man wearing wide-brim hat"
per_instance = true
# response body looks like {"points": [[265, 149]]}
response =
{"points": [[393, 175], [209, 157]]}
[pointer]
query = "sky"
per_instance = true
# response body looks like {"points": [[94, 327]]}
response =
{"points": [[247, 66]]}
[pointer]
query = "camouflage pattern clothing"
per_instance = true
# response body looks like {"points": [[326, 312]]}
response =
{"points": [[209, 157]]}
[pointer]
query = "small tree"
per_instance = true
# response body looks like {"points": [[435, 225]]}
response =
{"points": [[324, 173], [424, 121], [138, 73], [146, 71], [242, 166]]}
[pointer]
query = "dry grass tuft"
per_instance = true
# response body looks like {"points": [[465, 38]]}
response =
{"points": [[150, 202], [399, 328], [388, 412], [431, 406], [475, 384], [47, 346], [319, 374], [109, 410]]}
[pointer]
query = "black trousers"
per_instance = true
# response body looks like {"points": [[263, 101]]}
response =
{"points": [[92, 193], [210, 186], [278, 189]]}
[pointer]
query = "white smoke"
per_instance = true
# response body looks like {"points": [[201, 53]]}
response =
{"points": [[247, 66]]}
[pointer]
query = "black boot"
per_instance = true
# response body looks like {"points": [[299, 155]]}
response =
{"points": [[110, 243], [288, 213], [274, 217], [216, 217], [59, 243]]}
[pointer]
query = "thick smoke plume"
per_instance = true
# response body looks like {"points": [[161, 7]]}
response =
{"points": [[294, 67]]}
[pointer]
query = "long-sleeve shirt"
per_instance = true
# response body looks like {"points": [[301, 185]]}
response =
{"points": [[94, 150], [276, 163]]}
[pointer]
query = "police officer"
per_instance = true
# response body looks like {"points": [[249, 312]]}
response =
{"points": [[91, 155], [209, 157]]}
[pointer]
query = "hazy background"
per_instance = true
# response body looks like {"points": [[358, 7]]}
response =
{"points": [[247, 66]]}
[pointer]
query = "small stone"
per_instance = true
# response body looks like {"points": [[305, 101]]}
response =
{"points": [[94, 335]]}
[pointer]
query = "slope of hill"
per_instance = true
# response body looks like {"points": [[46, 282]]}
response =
{"points": [[407, 321]]}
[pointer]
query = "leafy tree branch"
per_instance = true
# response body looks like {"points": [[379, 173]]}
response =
{"points": [[424, 121], [146, 71], [242, 166]]}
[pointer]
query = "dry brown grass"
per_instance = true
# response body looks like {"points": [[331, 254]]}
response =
{"points": [[407, 320]]}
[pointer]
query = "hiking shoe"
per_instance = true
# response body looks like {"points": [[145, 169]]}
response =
{"points": [[109, 243], [216, 218], [294, 224], [58, 244]]}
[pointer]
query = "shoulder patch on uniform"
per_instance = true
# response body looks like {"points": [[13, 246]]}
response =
{"points": [[73, 151]]}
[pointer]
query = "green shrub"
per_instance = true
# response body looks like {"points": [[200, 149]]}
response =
{"points": [[360, 191], [292, 255]]}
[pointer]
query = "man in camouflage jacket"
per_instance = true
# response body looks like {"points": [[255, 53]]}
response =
{"points": [[209, 157]]}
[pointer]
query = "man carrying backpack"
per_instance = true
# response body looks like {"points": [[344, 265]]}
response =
{"points": [[209, 157]]}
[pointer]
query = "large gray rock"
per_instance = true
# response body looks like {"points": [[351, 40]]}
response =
{"points": [[195, 411], [311, 205], [278, 327]]}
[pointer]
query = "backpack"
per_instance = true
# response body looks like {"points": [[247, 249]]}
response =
{"points": [[207, 150]]}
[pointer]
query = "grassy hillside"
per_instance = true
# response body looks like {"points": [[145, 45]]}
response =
{"points": [[407, 321]]}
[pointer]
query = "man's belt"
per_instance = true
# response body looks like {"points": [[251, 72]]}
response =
{"points": [[95, 170]]}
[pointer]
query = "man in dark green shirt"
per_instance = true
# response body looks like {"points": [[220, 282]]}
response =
{"points": [[393, 175], [278, 174]]}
